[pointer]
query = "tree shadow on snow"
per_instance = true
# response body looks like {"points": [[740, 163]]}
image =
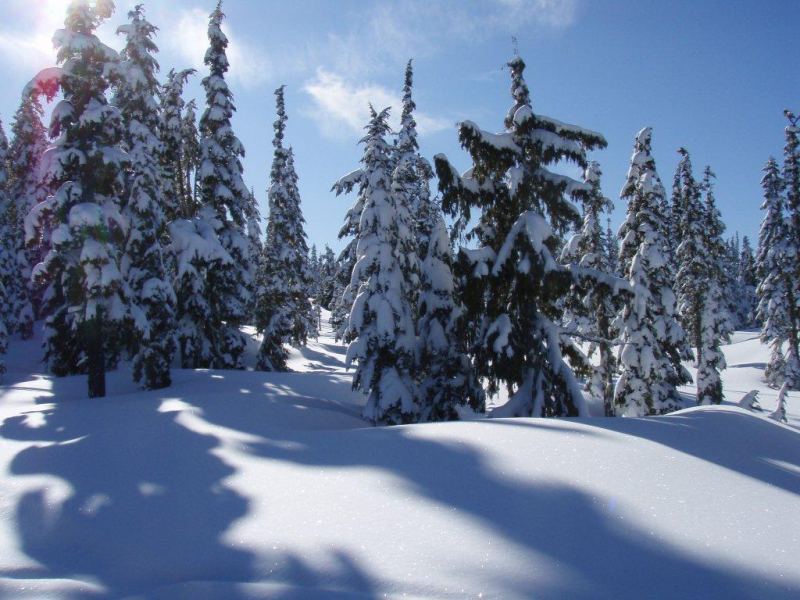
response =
{"points": [[147, 508], [598, 554]]}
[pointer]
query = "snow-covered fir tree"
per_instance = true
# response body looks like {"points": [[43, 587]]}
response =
{"points": [[283, 309], [381, 322], [172, 152], [214, 289], [791, 183], [9, 270], [327, 278], [746, 284], [26, 189], [152, 327], [715, 320], [190, 157], [342, 302], [611, 241], [775, 289], [779, 414], [651, 336], [447, 379], [511, 282], [86, 296], [691, 252], [255, 246], [590, 312]]}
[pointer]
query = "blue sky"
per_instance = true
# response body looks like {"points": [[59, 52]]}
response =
{"points": [[713, 76]]}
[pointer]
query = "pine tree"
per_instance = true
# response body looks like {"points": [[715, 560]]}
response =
{"points": [[9, 276], [327, 278], [611, 241], [747, 283], [381, 323], [512, 283], [171, 134], [190, 157], [715, 320], [152, 332], [27, 189], [447, 378], [255, 247], [690, 253], [283, 309], [775, 275], [791, 182], [86, 297], [591, 311], [651, 336], [779, 414], [210, 333]]}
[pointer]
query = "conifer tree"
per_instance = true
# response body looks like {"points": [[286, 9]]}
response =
{"points": [[715, 320], [86, 298], [255, 247], [591, 311], [651, 336], [190, 157], [210, 334], [152, 331], [9, 277], [381, 323], [27, 188], [327, 278], [746, 284], [779, 414], [283, 309], [791, 182], [172, 153], [775, 289], [447, 378], [611, 241], [690, 253], [512, 283]]}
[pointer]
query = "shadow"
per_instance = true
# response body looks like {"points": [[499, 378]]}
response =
{"points": [[758, 365], [146, 498], [607, 556]]}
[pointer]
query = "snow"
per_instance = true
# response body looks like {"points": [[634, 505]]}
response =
{"points": [[243, 484]]}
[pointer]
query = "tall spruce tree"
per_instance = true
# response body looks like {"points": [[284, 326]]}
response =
{"points": [[690, 253], [172, 152], [9, 277], [210, 333], [715, 319], [152, 330], [190, 157], [651, 336], [590, 312], [447, 380], [327, 278], [746, 284], [27, 188], [512, 283], [86, 296], [791, 182], [381, 323], [283, 309], [775, 289]]}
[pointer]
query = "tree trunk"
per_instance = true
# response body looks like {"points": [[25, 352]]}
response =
{"points": [[95, 356]]}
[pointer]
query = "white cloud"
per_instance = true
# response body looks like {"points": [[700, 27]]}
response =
{"points": [[250, 66], [342, 108]]}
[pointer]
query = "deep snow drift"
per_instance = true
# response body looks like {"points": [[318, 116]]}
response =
{"points": [[251, 485]]}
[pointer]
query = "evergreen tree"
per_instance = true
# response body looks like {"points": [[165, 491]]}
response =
{"points": [[152, 331], [651, 336], [255, 247], [791, 182], [171, 134], [746, 283], [611, 242], [283, 309], [447, 378], [591, 311], [381, 323], [190, 157], [86, 296], [27, 189], [210, 334], [327, 278], [690, 253], [9, 277], [775, 276], [715, 321], [779, 414], [512, 283]]}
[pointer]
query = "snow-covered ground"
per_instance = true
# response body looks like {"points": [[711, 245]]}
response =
{"points": [[253, 485]]}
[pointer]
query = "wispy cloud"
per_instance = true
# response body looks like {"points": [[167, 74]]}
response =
{"points": [[250, 66], [341, 108]]}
